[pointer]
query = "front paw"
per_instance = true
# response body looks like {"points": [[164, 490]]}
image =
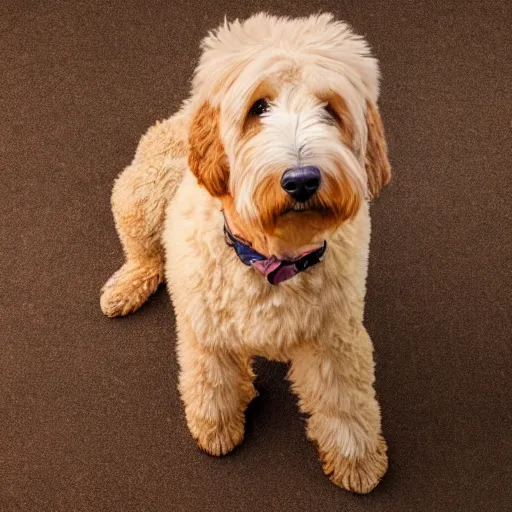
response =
{"points": [[217, 437], [359, 475]]}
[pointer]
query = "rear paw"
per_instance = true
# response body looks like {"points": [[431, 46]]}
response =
{"points": [[129, 287]]}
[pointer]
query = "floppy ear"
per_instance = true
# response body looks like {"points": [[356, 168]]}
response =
{"points": [[207, 159], [378, 168]]}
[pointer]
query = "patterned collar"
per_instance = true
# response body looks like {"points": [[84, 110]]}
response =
{"points": [[275, 270]]}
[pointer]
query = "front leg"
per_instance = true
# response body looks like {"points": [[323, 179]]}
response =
{"points": [[334, 381], [216, 386]]}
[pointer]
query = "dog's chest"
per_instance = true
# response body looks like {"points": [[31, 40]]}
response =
{"points": [[227, 304], [271, 319], [231, 305]]}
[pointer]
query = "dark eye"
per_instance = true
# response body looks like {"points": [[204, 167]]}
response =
{"points": [[259, 107], [332, 113]]}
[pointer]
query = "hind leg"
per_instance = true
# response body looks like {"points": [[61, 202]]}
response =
{"points": [[138, 207], [139, 201]]}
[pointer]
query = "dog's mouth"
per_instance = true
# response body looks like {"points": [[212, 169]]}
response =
{"points": [[305, 207]]}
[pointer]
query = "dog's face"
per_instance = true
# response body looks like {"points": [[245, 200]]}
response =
{"points": [[286, 128]]}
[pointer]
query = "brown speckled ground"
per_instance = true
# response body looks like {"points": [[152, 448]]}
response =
{"points": [[90, 418]]}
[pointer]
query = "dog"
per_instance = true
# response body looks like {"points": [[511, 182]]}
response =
{"points": [[252, 202]]}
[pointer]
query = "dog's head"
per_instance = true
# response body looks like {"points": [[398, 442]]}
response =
{"points": [[286, 127]]}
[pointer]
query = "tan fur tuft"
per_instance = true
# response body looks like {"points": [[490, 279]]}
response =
{"points": [[377, 163], [271, 200], [342, 200]]}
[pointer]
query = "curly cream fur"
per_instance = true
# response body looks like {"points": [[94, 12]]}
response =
{"points": [[202, 161]]}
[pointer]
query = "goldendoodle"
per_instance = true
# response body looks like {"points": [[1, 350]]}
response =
{"points": [[252, 203]]}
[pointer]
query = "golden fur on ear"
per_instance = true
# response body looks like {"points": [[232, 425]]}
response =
{"points": [[378, 168], [207, 159]]}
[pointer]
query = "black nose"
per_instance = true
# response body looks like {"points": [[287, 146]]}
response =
{"points": [[301, 183]]}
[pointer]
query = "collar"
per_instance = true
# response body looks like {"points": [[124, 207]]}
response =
{"points": [[275, 270]]}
